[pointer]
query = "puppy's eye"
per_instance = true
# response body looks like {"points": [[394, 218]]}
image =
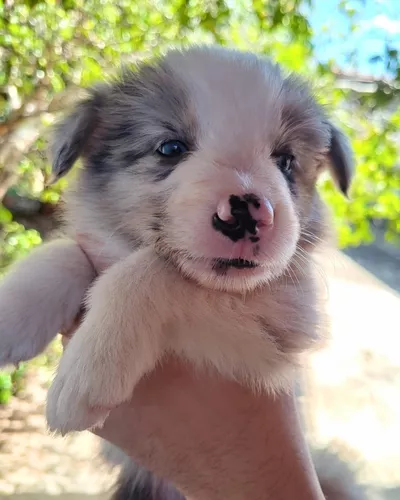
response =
{"points": [[285, 163], [171, 149]]}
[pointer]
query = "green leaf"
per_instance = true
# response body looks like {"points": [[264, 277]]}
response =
{"points": [[5, 215]]}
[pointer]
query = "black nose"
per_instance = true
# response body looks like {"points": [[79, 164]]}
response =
{"points": [[241, 220]]}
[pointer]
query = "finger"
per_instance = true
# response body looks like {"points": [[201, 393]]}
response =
{"points": [[67, 334]]}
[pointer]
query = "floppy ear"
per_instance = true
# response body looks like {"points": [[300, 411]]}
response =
{"points": [[341, 162], [70, 136]]}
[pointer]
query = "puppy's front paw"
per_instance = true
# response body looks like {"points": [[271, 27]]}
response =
{"points": [[39, 297], [24, 333], [90, 382], [69, 408], [119, 341]]}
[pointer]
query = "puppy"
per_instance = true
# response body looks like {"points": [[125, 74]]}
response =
{"points": [[199, 185]]}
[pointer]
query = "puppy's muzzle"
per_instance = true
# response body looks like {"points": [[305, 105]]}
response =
{"points": [[239, 217]]}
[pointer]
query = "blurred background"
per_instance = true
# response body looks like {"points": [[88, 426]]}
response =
{"points": [[350, 50]]}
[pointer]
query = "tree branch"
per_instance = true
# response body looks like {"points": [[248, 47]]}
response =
{"points": [[36, 108]]}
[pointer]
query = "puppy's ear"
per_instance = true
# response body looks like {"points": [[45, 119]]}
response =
{"points": [[341, 161], [72, 134]]}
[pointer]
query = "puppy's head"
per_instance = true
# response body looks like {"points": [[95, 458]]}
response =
{"points": [[209, 155]]}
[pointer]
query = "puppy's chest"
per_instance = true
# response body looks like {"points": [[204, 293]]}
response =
{"points": [[236, 332]]}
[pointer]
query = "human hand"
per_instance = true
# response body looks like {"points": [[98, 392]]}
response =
{"points": [[212, 438]]}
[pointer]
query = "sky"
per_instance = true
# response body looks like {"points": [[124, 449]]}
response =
{"points": [[376, 22]]}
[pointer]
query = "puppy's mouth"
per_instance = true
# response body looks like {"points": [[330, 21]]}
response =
{"points": [[225, 264], [216, 272], [200, 267]]}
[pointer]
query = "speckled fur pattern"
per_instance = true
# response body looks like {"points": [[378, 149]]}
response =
{"points": [[150, 216]]}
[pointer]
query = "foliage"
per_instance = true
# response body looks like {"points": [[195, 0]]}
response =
{"points": [[11, 383], [50, 48], [5, 387]]}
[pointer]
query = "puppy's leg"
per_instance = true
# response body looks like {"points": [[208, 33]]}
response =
{"points": [[41, 296], [118, 342]]}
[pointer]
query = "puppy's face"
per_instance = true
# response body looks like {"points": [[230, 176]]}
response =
{"points": [[209, 155]]}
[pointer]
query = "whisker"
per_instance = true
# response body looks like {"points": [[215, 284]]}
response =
{"points": [[304, 258]]}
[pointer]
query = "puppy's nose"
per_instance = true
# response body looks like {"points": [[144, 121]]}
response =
{"points": [[240, 216]]}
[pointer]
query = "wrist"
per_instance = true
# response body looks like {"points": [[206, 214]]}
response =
{"points": [[214, 438], [268, 460]]}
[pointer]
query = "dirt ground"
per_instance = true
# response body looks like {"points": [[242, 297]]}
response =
{"points": [[351, 402], [352, 396], [36, 465]]}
